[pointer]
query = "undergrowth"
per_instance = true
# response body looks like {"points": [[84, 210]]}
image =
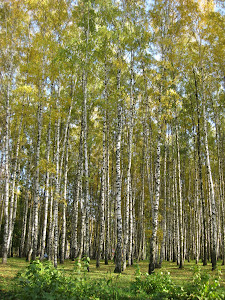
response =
{"points": [[43, 281]]}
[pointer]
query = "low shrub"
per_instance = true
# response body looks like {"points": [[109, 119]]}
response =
{"points": [[43, 281], [203, 286], [160, 286], [157, 286]]}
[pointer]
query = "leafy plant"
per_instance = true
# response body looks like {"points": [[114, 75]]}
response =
{"points": [[43, 281], [204, 286], [158, 285]]}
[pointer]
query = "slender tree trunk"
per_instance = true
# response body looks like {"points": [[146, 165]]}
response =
{"points": [[6, 198], [140, 240], [204, 237], [118, 261], [57, 195], [24, 224], [67, 125], [197, 211], [74, 238], [130, 245], [36, 184], [86, 167], [14, 215], [169, 215], [46, 195], [221, 194], [63, 238], [180, 203], [108, 210], [153, 249], [82, 227], [29, 246], [211, 194], [12, 201], [175, 212], [128, 186], [51, 224], [164, 225], [103, 191]]}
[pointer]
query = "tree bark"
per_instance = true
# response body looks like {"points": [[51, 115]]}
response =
{"points": [[211, 193], [204, 237], [57, 194], [6, 198], [118, 260], [64, 205], [180, 204], [46, 194], [74, 237], [127, 234], [153, 249], [37, 185]]}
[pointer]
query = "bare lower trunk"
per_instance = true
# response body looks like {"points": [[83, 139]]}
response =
{"points": [[36, 184], [6, 198], [24, 225], [153, 249], [86, 167], [46, 196], [102, 203], [204, 237], [180, 204], [64, 205], [57, 196], [108, 210], [13, 191], [118, 261], [130, 142], [211, 195], [163, 245], [74, 237], [51, 224]]}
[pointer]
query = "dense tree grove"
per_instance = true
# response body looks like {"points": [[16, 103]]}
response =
{"points": [[112, 130]]}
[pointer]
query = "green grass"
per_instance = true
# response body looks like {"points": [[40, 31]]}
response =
{"points": [[180, 277]]}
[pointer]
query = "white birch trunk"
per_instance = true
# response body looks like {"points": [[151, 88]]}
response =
{"points": [[128, 190], [13, 189], [86, 167], [153, 249], [51, 224], [204, 233], [74, 238], [108, 207], [180, 204], [24, 224], [57, 194], [164, 225], [63, 238], [103, 186], [211, 194], [118, 260], [46, 195], [36, 184], [6, 198]]}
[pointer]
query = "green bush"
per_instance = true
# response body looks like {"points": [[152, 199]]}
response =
{"points": [[43, 281], [203, 286], [160, 286], [157, 286]]}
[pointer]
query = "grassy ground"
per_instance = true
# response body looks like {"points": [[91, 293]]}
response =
{"points": [[15, 265]]}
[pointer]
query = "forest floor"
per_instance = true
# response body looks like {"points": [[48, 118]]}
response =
{"points": [[179, 276]]}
